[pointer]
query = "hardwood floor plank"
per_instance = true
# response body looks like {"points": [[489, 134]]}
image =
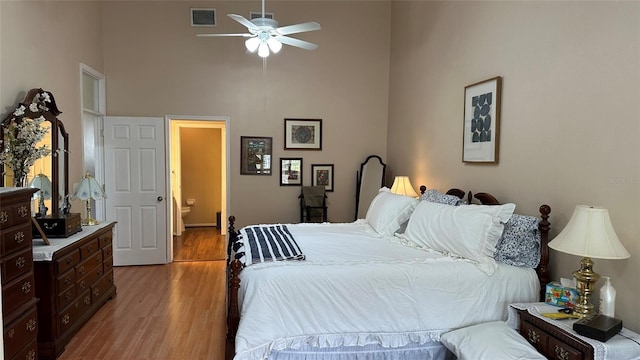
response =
{"points": [[173, 311]]}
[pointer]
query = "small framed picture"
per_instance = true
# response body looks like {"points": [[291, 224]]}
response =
{"points": [[322, 174], [304, 134], [255, 155], [482, 121], [290, 171]]}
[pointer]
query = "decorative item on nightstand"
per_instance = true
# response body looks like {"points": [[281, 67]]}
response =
{"points": [[89, 189], [42, 182], [589, 234], [402, 186]]}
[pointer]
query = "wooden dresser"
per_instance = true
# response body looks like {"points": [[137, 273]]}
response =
{"points": [[18, 291], [74, 278]]}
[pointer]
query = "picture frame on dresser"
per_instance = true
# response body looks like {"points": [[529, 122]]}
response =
{"points": [[481, 125]]}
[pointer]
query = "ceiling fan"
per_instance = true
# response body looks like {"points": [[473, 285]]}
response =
{"points": [[265, 36]]}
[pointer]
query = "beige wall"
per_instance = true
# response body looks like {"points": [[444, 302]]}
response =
{"points": [[201, 174], [570, 115], [42, 45], [155, 65]]}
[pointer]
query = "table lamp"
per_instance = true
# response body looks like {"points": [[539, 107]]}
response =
{"points": [[589, 234], [42, 182], [88, 189], [402, 186]]}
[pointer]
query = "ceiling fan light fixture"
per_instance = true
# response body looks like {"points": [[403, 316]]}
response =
{"points": [[263, 50], [274, 45], [252, 44]]}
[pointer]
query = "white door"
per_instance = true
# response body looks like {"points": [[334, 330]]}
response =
{"points": [[135, 184]]}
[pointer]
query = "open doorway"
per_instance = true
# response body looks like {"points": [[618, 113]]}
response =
{"points": [[198, 184]]}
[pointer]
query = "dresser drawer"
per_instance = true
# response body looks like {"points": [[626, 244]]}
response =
{"points": [[90, 278], [16, 265], [16, 238], [88, 265], [66, 281], [107, 252], [536, 337], [89, 249], [29, 352], [67, 262], [20, 332], [105, 239], [107, 264], [17, 293], [102, 286], [14, 214], [69, 316], [558, 350], [66, 297]]}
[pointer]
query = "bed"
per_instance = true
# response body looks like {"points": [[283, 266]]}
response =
{"points": [[384, 287]]}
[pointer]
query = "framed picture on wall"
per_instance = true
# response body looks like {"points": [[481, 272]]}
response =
{"points": [[482, 121], [304, 134], [290, 171], [255, 155], [322, 174]]}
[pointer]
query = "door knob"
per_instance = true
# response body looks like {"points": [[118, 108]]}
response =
{"points": [[160, 198]]}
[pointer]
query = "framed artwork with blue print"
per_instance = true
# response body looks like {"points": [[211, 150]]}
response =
{"points": [[482, 121]]}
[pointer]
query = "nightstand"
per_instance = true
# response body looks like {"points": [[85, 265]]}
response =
{"points": [[556, 339]]}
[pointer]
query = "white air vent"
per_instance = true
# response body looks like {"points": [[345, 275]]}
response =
{"points": [[203, 17], [256, 15]]}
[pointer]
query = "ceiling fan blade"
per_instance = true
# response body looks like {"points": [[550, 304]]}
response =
{"points": [[298, 28], [297, 42], [242, 35], [242, 20]]}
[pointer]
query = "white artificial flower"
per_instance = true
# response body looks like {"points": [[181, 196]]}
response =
{"points": [[46, 96], [34, 107], [19, 111]]}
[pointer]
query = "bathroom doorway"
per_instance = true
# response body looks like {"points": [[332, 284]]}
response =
{"points": [[198, 183]]}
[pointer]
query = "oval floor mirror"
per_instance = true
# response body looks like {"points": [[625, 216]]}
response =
{"points": [[370, 179]]}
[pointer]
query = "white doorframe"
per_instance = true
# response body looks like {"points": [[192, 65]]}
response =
{"points": [[221, 122]]}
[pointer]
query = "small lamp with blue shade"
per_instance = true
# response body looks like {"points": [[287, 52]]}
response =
{"points": [[41, 182], [88, 189]]}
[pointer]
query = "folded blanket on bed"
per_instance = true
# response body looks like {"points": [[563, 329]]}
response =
{"points": [[264, 243]]}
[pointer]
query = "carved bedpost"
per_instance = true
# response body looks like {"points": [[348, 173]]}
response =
{"points": [[233, 285], [543, 267], [422, 189]]}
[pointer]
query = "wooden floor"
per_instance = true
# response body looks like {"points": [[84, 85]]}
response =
{"points": [[173, 311], [199, 243]]}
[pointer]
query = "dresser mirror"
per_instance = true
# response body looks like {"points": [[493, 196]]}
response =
{"points": [[369, 180], [55, 166]]}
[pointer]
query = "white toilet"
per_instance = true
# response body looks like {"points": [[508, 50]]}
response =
{"points": [[178, 217]]}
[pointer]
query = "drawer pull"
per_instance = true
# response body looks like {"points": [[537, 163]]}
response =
{"points": [[82, 285], [20, 262], [69, 261], [23, 211], [65, 319], [87, 300], [534, 338], [4, 216], [31, 355], [31, 325], [561, 353], [11, 333], [18, 237], [50, 226], [68, 296], [26, 287], [96, 292], [90, 249], [81, 270], [67, 281]]}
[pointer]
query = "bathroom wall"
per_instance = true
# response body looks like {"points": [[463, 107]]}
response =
{"points": [[201, 162]]}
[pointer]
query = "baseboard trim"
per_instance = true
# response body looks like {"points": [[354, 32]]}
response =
{"points": [[200, 225]]}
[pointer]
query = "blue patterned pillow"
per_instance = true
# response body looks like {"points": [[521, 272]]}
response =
{"points": [[520, 242], [435, 196]]}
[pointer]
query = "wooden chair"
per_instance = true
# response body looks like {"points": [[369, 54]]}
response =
{"points": [[313, 204]]}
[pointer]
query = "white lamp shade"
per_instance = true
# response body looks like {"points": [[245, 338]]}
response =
{"points": [[402, 186], [41, 181], [274, 45], [263, 50], [89, 189], [252, 44], [589, 233]]}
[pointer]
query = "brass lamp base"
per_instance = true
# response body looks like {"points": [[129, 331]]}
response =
{"points": [[89, 221], [586, 280]]}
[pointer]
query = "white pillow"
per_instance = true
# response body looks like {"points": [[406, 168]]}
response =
{"points": [[492, 340], [467, 231], [388, 211]]}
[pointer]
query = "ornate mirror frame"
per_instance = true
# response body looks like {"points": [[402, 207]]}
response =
{"points": [[369, 180], [58, 141]]}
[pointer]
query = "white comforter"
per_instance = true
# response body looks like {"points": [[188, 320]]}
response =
{"points": [[355, 289]]}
